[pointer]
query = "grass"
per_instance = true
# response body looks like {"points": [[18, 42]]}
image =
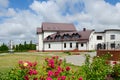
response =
{"points": [[8, 61]]}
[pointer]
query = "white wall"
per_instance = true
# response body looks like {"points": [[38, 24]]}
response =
{"points": [[47, 34], [53, 46], [40, 42], [60, 45], [108, 33], [84, 47], [68, 45]]}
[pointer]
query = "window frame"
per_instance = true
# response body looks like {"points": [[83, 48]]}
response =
{"points": [[99, 37]]}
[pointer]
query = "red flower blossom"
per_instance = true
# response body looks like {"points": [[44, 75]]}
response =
{"points": [[26, 77], [67, 68], [49, 78], [56, 73], [114, 62], [50, 73], [35, 79], [80, 78], [32, 72], [63, 77]]}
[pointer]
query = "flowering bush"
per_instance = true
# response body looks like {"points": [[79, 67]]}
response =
{"points": [[53, 69], [25, 71], [97, 69], [57, 69]]}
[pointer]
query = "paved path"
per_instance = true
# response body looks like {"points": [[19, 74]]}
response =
{"points": [[78, 59]]}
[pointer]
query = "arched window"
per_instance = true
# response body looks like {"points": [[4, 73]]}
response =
{"points": [[76, 36], [49, 38], [57, 37], [66, 36]]}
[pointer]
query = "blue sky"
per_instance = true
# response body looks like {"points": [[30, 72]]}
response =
{"points": [[20, 18]]}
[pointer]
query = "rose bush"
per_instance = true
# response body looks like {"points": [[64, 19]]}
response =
{"points": [[57, 69]]}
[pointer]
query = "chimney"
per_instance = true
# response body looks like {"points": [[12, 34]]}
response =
{"points": [[84, 29]]}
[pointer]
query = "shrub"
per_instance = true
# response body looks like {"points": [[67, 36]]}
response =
{"points": [[98, 69]]}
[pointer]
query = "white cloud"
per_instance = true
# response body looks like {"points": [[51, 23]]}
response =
{"points": [[4, 3], [21, 26], [97, 14]]}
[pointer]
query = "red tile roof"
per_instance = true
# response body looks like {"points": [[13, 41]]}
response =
{"points": [[56, 27]]}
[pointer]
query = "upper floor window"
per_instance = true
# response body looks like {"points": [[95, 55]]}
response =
{"points": [[57, 37], [99, 37], [112, 37], [49, 38]]}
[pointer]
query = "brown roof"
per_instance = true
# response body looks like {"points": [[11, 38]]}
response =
{"points": [[39, 30], [56, 27], [83, 36]]}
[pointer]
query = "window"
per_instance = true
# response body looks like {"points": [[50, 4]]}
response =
{"points": [[49, 38], [76, 45], [112, 45], [49, 46], [99, 37], [58, 37], [82, 44], [70, 45], [112, 37], [64, 45]]}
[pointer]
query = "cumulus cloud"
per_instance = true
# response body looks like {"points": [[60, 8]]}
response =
{"points": [[4, 3]]}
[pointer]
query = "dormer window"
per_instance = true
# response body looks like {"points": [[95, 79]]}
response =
{"points": [[49, 38], [57, 37], [66, 36], [76, 36]]}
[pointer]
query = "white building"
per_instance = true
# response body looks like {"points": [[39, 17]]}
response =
{"points": [[64, 37]]}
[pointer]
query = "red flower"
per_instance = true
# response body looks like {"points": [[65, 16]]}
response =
{"points": [[63, 77], [49, 78], [59, 69], [56, 73], [80, 78], [67, 68], [35, 79], [114, 62], [32, 72], [50, 73], [26, 77]]}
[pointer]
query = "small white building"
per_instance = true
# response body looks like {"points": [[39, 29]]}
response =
{"points": [[65, 37]]}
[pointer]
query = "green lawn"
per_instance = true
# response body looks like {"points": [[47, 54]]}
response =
{"points": [[8, 61]]}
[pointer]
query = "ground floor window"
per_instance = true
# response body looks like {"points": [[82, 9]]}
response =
{"points": [[76, 45], [64, 45], [49, 46], [70, 45], [82, 44]]}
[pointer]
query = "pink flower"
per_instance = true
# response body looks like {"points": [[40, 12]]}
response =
{"points": [[56, 73], [26, 77], [51, 61], [80, 78], [50, 73], [59, 69], [63, 77], [67, 68], [49, 78], [32, 72]]}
